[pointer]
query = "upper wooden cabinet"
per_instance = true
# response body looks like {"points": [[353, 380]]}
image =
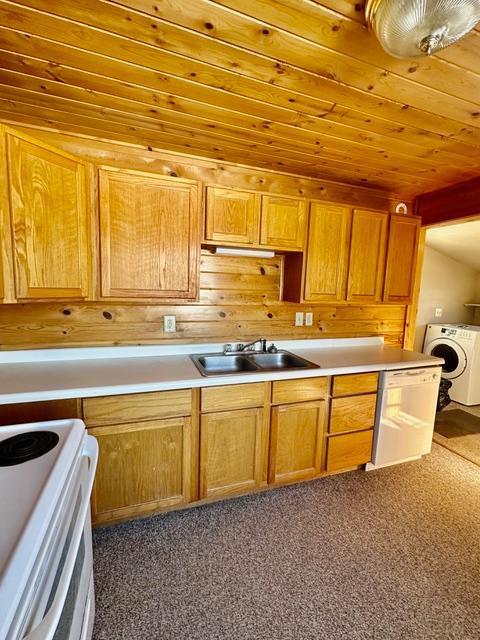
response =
{"points": [[368, 244], [401, 258], [327, 252], [49, 220], [249, 218], [149, 235], [232, 216], [283, 222]]}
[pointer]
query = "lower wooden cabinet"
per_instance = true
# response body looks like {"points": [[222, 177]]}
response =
{"points": [[353, 413], [296, 441], [164, 450], [349, 450], [232, 451], [142, 467]]}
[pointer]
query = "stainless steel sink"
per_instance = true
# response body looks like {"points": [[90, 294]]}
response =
{"points": [[281, 360], [215, 364], [218, 364]]}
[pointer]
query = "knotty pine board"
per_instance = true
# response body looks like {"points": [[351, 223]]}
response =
{"points": [[239, 299]]}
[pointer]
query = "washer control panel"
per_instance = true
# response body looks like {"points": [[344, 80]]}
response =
{"points": [[459, 333]]}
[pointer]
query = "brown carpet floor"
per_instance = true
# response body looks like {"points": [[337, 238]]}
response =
{"points": [[388, 555]]}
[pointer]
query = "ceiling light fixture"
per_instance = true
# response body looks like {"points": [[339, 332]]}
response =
{"points": [[413, 28]]}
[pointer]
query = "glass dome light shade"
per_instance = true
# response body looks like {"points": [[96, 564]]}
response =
{"points": [[413, 28]]}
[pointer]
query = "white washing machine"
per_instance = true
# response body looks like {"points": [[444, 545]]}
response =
{"points": [[459, 346]]}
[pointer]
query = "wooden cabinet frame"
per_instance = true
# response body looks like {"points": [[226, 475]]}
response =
{"points": [[25, 270], [256, 230], [190, 187]]}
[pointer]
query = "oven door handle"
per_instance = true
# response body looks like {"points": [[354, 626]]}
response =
{"points": [[47, 627]]}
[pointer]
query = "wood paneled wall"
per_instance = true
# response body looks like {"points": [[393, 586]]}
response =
{"points": [[239, 298]]}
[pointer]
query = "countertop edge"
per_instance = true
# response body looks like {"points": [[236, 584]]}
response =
{"points": [[201, 381]]}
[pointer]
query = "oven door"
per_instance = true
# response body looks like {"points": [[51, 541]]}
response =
{"points": [[65, 593]]}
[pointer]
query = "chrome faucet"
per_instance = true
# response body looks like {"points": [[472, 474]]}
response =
{"points": [[248, 347]]}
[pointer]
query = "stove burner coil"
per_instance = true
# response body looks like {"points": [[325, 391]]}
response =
{"points": [[26, 446]]}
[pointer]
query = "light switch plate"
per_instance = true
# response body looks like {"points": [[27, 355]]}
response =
{"points": [[299, 319], [309, 319], [438, 312], [169, 324]]}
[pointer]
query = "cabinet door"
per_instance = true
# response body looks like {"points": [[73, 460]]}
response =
{"points": [[149, 235], [401, 258], [142, 467], [232, 216], [231, 446], [50, 221], [283, 222], [368, 245], [327, 253], [296, 440], [349, 450]]}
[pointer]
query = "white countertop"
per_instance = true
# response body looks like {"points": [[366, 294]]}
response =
{"points": [[80, 373]]}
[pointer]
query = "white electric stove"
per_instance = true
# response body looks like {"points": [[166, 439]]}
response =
{"points": [[46, 578]]}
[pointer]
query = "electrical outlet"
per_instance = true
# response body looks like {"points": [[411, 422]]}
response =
{"points": [[299, 319], [169, 324], [438, 312], [309, 319]]}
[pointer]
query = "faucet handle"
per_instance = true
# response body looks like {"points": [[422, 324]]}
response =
{"points": [[227, 348], [272, 349], [240, 346]]}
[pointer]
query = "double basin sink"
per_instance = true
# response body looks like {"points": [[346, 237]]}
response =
{"points": [[215, 364]]}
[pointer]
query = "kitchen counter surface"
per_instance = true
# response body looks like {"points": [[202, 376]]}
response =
{"points": [[97, 373]]}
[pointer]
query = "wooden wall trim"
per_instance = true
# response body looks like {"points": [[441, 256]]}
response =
{"points": [[412, 309], [459, 201]]}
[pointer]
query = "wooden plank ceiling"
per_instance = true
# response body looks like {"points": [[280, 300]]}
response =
{"points": [[298, 86]]}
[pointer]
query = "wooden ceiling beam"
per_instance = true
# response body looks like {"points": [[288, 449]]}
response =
{"points": [[104, 92], [452, 203], [317, 26], [153, 132], [17, 111], [327, 51], [195, 47], [36, 92], [61, 61]]}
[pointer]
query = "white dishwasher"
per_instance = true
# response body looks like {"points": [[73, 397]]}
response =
{"points": [[407, 402]]}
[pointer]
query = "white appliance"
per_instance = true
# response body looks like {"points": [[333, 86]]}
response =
{"points": [[405, 415], [46, 578], [459, 346]]}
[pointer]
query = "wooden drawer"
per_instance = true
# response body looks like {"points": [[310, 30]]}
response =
{"points": [[355, 383], [137, 407], [233, 396], [350, 450], [352, 413], [303, 390]]}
